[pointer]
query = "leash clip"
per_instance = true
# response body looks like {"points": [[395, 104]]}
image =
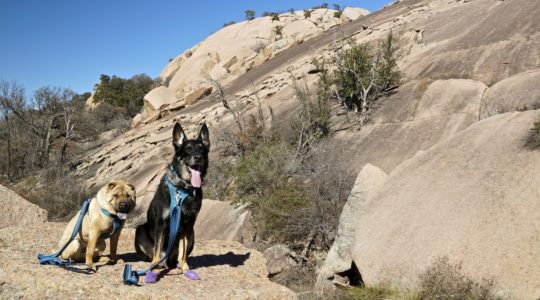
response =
{"points": [[177, 198]]}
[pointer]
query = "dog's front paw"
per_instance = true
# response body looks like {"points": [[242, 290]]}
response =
{"points": [[92, 267], [183, 267]]}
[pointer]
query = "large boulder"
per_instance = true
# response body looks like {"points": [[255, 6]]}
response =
{"points": [[17, 211], [519, 92], [474, 198], [352, 13], [339, 258], [156, 100], [197, 94], [280, 258], [220, 220]]}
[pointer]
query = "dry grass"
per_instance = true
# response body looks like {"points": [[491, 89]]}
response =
{"points": [[533, 139], [59, 194], [444, 280]]}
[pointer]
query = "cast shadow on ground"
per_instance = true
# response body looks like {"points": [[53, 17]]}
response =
{"points": [[209, 260]]}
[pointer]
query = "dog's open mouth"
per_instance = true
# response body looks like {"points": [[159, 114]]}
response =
{"points": [[122, 215], [196, 180]]}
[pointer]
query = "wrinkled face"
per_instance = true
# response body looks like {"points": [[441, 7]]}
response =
{"points": [[190, 155], [121, 196]]}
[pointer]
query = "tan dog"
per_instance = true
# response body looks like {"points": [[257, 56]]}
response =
{"points": [[118, 199]]}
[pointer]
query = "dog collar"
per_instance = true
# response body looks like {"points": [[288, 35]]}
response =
{"points": [[117, 223]]}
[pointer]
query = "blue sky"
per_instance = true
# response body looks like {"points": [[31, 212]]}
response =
{"points": [[69, 43]]}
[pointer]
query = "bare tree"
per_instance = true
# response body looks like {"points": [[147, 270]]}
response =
{"points": [[252, 128], [31, 130], [11, 95]]}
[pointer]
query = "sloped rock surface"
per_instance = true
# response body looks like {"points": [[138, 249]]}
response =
{"points": [[228, 271], [473, 198], [519, 92], [17, 211], [237, 48]]}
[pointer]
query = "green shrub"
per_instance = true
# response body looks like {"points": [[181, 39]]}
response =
{"points": [[263, 180], [274, 211], [278, 30], [533, 140], [229, 24], [337, 14], [265, 169], [275, 17], [444, 280], [126, 93], [250, 14], [307, 13], [363, 74]]}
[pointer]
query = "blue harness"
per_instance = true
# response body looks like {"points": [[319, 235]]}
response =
{"points": [[177, 198], [54, 259]]}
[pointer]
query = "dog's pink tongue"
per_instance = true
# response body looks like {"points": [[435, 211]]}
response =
{"points": [[195, 178]]}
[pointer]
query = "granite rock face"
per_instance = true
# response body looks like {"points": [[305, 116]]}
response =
{"points": [[17, 211]]}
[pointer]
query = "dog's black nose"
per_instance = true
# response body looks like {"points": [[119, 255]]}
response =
{"points": [[124, 205], [197, 157]]}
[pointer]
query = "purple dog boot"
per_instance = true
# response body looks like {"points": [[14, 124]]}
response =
{"points": [[192, 275], [189, 274], [151, 277]]}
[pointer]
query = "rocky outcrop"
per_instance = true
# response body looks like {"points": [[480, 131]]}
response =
{"points": [[197, 94], [473, 198], [280, 258], [237, 48], [339, 259], [220, 220], [17, 211], [517, 93], [157, 100], [352, 13], [227, 269], [89, 104]]}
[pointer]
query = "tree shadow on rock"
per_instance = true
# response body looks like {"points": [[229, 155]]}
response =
{"points": [[209, 260]]}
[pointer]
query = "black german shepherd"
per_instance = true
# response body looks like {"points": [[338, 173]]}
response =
{"points": [[186, 172]]}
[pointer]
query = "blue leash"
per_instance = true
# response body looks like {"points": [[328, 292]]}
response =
{"points": [[54, 259], [175, 214]]}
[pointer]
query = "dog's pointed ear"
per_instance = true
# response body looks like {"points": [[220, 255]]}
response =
{"points": [[204, 136], [179, 137]]}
